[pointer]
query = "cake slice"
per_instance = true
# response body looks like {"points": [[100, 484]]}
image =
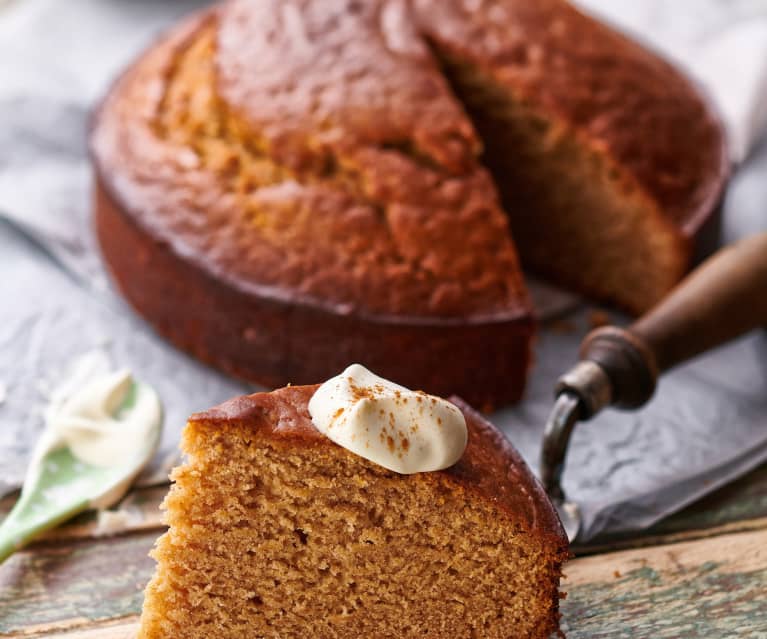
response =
{"points": [[277, 531]]}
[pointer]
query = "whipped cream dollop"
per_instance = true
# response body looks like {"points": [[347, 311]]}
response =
{"points": [[110, 421], [403, 430]]}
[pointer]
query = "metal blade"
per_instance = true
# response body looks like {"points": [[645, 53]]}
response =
{"points": [[559, 427]]}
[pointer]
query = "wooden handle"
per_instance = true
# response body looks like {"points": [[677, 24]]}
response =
{"points": [[722, 299]]}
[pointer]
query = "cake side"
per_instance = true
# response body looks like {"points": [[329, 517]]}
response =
{"points": [[275, 340], [274, 529]]}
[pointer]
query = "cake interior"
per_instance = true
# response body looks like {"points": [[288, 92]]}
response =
{"points": [[268, 539], [576, 217]]}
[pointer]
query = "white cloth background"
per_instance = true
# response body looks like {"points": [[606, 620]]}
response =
{"points": [[705, 427]]}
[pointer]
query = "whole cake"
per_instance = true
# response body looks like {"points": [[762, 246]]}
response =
{"points": [[277, 531], [283, 187]]}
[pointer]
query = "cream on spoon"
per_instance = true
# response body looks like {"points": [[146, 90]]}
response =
{"points": [[98, 437]]}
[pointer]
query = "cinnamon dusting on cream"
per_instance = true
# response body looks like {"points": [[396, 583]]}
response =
{"points": [[402, 430]]}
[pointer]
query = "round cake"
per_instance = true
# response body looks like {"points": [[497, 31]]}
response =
{"points": [[285, 187]]}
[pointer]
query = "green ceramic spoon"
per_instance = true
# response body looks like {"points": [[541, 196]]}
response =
{"points": [[94, 445]]}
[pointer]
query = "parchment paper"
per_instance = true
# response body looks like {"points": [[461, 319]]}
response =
{"points": [[706, 426]]}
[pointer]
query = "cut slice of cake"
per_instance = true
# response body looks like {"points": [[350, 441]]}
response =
{"points": [[277, 531]]}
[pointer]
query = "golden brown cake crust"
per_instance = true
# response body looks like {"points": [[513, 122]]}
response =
{"points": [[490, 468]]}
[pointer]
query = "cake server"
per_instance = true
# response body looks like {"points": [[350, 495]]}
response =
{"points": [[725, 297]]}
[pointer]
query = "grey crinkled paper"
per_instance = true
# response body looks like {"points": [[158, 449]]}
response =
{"points": [[707, 425]]}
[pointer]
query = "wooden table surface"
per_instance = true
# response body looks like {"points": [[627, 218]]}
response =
{"points": [[701, 573]]}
